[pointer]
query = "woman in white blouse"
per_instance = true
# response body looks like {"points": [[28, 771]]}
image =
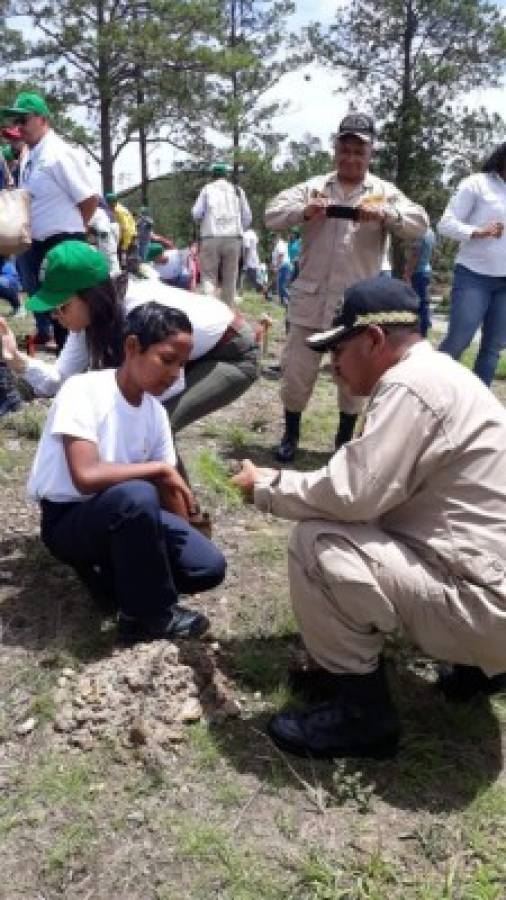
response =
{"points": [[476, 217]]}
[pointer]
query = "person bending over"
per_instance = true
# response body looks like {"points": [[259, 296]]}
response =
{"points": [[113, 505]]}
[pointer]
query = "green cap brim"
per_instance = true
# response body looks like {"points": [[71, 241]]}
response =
{"points": [[12, 111], [44, 301]]}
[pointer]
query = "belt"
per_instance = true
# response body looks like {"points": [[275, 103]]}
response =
{"points": [[231, 330]]}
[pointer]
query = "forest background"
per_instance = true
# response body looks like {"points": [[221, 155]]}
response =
{"points": [[197, 76]]}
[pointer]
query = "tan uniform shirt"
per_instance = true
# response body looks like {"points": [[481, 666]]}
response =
{"points": [[430, 469], [337, 253]]}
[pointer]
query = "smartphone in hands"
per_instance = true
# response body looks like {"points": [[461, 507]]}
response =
{"points": [[336, 211]]}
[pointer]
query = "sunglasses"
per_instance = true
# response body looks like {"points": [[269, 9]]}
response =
{"points": [[21, 120]]}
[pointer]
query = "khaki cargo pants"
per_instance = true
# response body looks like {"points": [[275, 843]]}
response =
{"points": [[352, 584], [299, 371], [216, 250]]}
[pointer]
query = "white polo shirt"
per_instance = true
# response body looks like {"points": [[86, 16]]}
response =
{"points": [[57, 181]]}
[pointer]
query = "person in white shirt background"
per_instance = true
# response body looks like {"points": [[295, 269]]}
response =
{"points": [[476, 217], [281, 264], [223, 213], [63, 198], [251, 260]]}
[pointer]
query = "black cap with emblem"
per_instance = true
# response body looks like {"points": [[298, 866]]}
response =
{"points": [[375, 301], [359, 125]]}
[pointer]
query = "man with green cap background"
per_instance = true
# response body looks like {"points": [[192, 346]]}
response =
{"points": [[63, 198], [223, 213]]}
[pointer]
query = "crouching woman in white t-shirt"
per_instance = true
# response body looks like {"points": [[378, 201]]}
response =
{"points": [[113, 505]]}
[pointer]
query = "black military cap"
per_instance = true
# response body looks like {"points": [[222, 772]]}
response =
{"points": [[375, 301], [358, 124]]}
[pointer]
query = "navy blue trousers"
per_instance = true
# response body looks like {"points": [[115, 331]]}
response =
{"points": [[150, 555]]}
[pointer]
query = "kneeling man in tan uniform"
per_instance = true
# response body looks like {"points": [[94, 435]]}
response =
{"points": [[405, 527]]}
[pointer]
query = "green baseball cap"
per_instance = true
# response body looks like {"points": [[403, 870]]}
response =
{"points": [[154, 250], [221, 168], [111, 196], [27, 104], [69, 267]]}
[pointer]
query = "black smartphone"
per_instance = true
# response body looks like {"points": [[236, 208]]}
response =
{"points": [[335, 211]]}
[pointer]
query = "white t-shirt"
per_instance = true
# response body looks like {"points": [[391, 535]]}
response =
{"points": [[57, 181], [250, 249], [280, 254], [209, 317], [478, 200], [92, 407]]}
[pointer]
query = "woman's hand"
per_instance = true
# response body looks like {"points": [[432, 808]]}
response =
{"points": [[492, 230], [175, 495], [9, 345]]}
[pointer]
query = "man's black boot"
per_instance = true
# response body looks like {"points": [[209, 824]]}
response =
{"points": [[290, 440], [10, 398], [461, 683], [360, 721], [347, 422]]}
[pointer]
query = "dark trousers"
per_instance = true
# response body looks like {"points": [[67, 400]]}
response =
{"points": [[420, 282], [28, 265], [149, 554]]}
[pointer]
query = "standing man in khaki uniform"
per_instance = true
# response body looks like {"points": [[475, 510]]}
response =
{"points": [[407, 533], [224, 215], [336, 253]]}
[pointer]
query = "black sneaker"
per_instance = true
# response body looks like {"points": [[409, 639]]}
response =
{"points": [[183, 623]]}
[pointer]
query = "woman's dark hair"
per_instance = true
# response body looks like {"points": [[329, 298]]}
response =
{"points": [[152, 323], [496, 162], [104, 334]]}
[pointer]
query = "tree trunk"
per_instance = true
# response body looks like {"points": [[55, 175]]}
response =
{"points": [[404, 138], [107, 165]]}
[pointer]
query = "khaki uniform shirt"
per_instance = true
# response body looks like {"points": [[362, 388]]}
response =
{"points": [[337, 253], [429, 468]]}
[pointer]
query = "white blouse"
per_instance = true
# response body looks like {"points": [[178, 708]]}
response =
{"points": [[478, 200]]}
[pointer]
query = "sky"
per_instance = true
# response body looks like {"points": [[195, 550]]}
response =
{"points": [[315, 107]]}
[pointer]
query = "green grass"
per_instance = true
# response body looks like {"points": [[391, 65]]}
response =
{"points": [[28, 422], [210, 471], [71, 842]]}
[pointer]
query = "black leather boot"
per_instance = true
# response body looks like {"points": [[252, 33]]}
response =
{"points": [[347, 422], [10, 398], [461, 683], [290, 440], [360, 721]]}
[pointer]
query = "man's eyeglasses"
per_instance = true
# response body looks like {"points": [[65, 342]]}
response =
{"points": [[21, 120]]}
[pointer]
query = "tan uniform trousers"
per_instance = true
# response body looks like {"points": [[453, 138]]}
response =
{"points": [[352, 584], [214, 250], [299, 371]]}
